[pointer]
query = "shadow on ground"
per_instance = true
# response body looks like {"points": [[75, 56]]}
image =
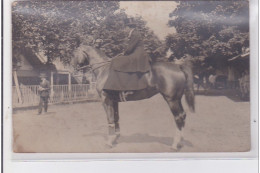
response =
{"points": [[145, 138], [232, 94]]}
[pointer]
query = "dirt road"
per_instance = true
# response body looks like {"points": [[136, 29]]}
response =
{"points": [[219, 125]]}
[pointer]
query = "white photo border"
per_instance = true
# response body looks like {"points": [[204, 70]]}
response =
{"points": [[10, 157]]}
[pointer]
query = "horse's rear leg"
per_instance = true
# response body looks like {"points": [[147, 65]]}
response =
{"points": [[179, 117]]}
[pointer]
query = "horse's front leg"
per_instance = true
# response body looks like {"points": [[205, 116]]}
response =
{"points": [[116, 117], [109, 107]]}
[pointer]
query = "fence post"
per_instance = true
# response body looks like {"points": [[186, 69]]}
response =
{"points": [[17, 87], [52, 92], [69, 86]]}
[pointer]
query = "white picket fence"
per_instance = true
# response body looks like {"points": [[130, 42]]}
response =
{"points": [[58, 94]]}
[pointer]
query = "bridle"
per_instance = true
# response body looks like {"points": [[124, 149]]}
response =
{"points": [[103, 63], [92, 66]]}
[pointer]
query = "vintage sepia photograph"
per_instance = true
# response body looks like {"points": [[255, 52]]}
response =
{"points": [[130, 76]]}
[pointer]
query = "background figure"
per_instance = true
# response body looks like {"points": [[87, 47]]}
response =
{"points": [[231, 81], [44, 93], [84, 80], [201, 81], [244, 83], [212, 81]]}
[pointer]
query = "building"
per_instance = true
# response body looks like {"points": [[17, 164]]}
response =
{"points": [[28, 65], [237, 66]]}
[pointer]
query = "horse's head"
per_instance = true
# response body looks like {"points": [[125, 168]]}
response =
{"points": [[80, 57], [85, 55]]}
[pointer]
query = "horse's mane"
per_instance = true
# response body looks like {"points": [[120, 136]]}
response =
{"points": [[101, 54]]}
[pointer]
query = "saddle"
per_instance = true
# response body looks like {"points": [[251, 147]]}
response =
{"points": [[125, 81], [128, 73]]}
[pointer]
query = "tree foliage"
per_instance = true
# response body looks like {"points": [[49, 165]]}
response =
{"points": [[211, 32], [54, 27]]}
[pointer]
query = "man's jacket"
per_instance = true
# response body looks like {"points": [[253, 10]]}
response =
{"points": [[135, 58], [44, 89]]}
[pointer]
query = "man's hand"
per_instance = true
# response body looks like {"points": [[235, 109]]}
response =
{"points": [[41, 88]]}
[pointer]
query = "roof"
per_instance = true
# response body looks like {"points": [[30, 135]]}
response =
{"points": [[241, 56], [42, 57], [36, 60]]}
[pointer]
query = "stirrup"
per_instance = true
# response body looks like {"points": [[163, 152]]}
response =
{"points": [[124, 94]]}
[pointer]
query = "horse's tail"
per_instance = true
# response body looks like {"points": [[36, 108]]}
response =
{"points": [[186, 68]]}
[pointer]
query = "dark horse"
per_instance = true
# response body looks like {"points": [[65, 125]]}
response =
{"points": [[168, 79]]}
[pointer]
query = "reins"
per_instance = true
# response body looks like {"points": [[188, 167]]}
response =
{"points": [[103, 62], [91, 66]]}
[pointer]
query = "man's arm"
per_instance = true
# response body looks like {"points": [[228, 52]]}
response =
{"points": [[44, 88], [134, 40]]}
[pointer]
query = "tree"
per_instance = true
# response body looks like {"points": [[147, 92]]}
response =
{"points": [[54, 27], [212, 32]]}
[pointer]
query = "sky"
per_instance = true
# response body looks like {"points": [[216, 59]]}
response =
{"points": [[155, 13]]}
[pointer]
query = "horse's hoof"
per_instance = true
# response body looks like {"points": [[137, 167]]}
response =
{"points": [[176, 148], [111, 141], [109, 145], [117, 135]]}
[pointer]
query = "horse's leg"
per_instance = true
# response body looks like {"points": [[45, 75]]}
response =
{"points": [[109, 108], [116, 116], [179, 117]]}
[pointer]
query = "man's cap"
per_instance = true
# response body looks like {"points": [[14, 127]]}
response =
{"points": [[130, 22]]}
